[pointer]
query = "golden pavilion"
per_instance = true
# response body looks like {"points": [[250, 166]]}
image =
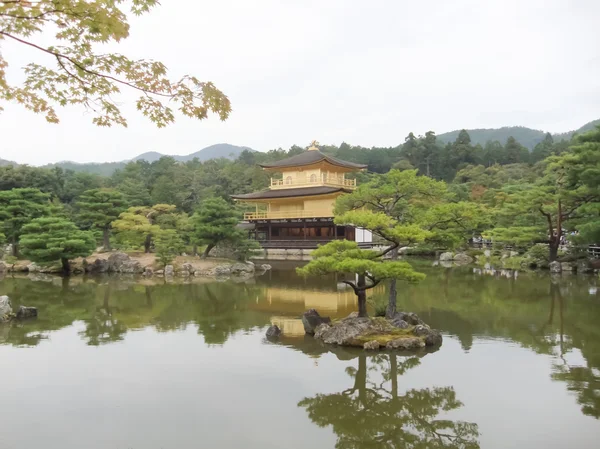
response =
{"points": [[297, 210]]}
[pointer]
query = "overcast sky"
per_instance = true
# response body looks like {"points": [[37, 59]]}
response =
{"points": [[363, 72]]}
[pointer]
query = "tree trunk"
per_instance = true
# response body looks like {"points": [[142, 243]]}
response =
{"points": [[147, 243], [207, 250], [15, 247], [394, 375], [553, 245], [106, 238], [66, 266], [361, 295], [391, 308], [360, 381]]}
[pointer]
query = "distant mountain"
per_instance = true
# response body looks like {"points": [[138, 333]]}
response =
{"points": [[108, 168], [5, 162], [214, 152], [525, 136]]}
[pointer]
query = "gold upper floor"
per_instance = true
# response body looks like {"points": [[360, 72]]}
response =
{"points": [[312, 177]]}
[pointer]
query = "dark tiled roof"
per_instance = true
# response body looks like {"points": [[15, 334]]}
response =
{"points": [[311, 157], [286, 193]]}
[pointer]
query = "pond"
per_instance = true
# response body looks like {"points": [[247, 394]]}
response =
{"points": [[123, 364]]}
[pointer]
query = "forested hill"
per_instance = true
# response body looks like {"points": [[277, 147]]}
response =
{"points": [[527, 137], [219, 150]]}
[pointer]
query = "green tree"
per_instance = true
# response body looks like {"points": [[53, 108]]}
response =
{"points": [[343, 257], [403, 209], [215, 222], [49, 239], [17, 208], [85, 74], [167, 245], [139, 225], [566, 198], [98, 208]]}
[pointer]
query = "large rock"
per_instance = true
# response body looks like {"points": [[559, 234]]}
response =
{"points": [[446, 256], [311, 320], [33, 267], [148, 271], [169, 271], [222, 270], [273, 331], [399, 323], [584, 266], [187, 268], [5, 308], [555, 267], [410, 318], [432, 336], [238, 269], [122, 263], [342, 333], [405, 343], [463, 259], [98, 266], [265, 267], [566, 266], [26, 312]]}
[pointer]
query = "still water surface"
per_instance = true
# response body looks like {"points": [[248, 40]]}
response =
{"points": [[119, 364]]}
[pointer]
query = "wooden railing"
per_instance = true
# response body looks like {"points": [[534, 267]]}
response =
{"points": [[275, 215], [298, 244], [302, 182]]}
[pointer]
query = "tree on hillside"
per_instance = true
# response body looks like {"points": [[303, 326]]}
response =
{"points": [[403, 209], [215, 222], [84, 74], [514, 152], [98, 208], [566, 198], [50, 239], [17, 208], [367, 267], [138, 225]]}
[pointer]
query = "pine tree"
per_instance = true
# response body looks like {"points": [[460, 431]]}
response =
{"points": [[168, 245], [49, 239], [98, 208], [215, 222], [17, 208]]}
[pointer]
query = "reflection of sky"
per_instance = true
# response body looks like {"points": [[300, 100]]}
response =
{"points": [[170, 390]]}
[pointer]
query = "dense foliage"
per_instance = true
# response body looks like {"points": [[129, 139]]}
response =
{"points": [[431, 193]]}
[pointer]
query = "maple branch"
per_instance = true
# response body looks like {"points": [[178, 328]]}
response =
{"points": [[83, 68]]}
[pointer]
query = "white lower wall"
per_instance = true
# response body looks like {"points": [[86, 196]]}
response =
{"points": [[363, 235]]}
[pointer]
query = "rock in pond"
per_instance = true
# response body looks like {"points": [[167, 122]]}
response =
{"points": [[463, 259], [122, 263], [5, 308], [273, 331], [240, 269], [26, 312], [555, 267], [311, 320], [376, 333], [405, 343], [169, 271], [446, 256]]}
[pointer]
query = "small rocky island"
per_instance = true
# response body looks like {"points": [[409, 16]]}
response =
{"points": [[7, 314], [405, 331]]}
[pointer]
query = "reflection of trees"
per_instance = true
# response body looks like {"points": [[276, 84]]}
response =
{"points": [[583, 380], [103, 327], [112, 308], [374, 414]]}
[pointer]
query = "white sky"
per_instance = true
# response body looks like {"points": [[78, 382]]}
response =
{"points": [[364, 72]]}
